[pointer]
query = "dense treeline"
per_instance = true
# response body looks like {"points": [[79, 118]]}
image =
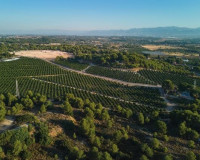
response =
{"points": [[101, 55]]}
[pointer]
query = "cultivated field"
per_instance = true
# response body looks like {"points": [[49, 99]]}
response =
{"points": [[44, 54]]}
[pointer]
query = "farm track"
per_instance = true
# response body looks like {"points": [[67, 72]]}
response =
{"points": [[106, 78], [84, 70]]}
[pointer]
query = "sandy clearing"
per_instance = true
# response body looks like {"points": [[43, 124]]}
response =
{"points": [[156, 47], [44, 54], [6, 123]]}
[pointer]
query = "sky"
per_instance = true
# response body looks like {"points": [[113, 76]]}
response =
{"points": [[97, 14]]}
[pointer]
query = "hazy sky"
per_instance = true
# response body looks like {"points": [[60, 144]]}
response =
{"points": [[97, 14]]}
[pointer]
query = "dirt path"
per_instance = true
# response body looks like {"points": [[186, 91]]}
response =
{"points": [[106, 78], [170, 106], [6, 124], [84, 70]]}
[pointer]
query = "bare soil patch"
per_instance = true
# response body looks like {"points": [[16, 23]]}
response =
{"points": [[6, 123], [44, 54]]}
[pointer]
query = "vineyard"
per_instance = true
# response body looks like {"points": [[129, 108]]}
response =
{"points": [[45, 78], [159, 77], [127, 76]]}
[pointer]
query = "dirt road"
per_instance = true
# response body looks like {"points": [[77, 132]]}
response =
{"points": [[106, 78]]}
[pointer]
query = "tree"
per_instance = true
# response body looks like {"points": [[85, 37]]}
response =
{"points": [[43, 108], [114, 148], [76, 154], [30, 93], [105, 115], [43, 99], [190, 156], [95, 154], [129, 113], [106, 156], [17, 148], [155, 143], [147, 150], [17, 108], [27, 102], [2, 154], [141, 118], [168, 85], [42, 134], [2, 112], [74, 135], [191, 144], [89, 112], [143, 157], [97, 142], [168, 157], [161, 127], [119, 108], [118, 136], [67, 108], [192, 134], [155, 115], [2, 97], [10, 99], [79, 103], [182, 129], [87, 126]]}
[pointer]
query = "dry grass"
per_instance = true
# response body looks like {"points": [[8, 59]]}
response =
{"points": [[44, 54], [136, 69], [157, 47]]}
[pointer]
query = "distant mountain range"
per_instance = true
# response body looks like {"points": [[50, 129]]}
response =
{"points": [[176, 32], [165, 32]]}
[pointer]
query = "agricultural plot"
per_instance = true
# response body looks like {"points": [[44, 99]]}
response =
{"points": [[144, 95], [117, 74], [45, 78], [159, 77], [72, 64]]}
